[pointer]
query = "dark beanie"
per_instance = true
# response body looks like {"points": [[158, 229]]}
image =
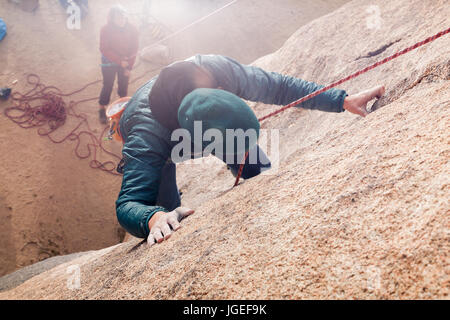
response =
{"points": [[172, 85]]}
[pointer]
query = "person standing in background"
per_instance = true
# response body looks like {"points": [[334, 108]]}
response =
{"points": [[119, 45]]}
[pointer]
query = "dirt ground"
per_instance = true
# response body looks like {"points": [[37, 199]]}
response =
{"points": [[52, 203]]}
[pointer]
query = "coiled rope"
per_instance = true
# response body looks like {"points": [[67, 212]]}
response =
{"points": [[43, 107]]}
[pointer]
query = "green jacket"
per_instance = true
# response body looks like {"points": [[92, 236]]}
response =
{"points": [[147, 144]]}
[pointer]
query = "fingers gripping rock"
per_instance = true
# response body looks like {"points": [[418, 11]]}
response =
{"points": [[166, 224], [183, 212]]}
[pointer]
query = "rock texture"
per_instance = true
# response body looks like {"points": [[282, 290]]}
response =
{"points": [[14, 279], [358, 208]]}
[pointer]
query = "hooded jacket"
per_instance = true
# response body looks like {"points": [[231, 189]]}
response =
{"points": [[148, 145]]}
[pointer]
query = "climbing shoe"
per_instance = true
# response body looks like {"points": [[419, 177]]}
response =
{"points": [[102, 116]]}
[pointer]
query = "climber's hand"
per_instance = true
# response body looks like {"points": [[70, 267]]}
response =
{"points": [[126, 73], [357, 103], [162, 224], [124, 64]]}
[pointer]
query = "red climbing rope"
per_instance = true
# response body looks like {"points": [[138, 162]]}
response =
{"points": [[43, 107], [354, 75]]}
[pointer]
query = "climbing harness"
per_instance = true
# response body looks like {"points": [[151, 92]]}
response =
{"points": [[354, 75], [114, 112]]}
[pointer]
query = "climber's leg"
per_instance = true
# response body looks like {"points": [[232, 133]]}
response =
{"points": [[169, 195]]}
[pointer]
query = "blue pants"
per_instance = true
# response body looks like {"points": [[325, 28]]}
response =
{"points": [[169, 195]]}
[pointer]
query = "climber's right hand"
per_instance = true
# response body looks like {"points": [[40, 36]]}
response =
{"points": [[162, 224]]}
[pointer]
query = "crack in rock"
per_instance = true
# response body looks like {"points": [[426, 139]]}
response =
{"points": [[378, 51]]}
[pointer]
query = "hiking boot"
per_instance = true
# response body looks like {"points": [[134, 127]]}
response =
{"points": [[102, 116]]}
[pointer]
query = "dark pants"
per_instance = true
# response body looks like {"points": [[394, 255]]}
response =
{"points": [[109, 71], [169, 195]]}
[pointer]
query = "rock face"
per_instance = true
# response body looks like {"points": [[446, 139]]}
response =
{"points": [[358, 208], [51, 202]]}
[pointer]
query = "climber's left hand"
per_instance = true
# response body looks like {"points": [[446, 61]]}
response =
{"points": [[357, 103]]}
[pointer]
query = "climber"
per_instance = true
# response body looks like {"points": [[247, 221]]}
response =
{"points": [[119, 46], [207, 88]]}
